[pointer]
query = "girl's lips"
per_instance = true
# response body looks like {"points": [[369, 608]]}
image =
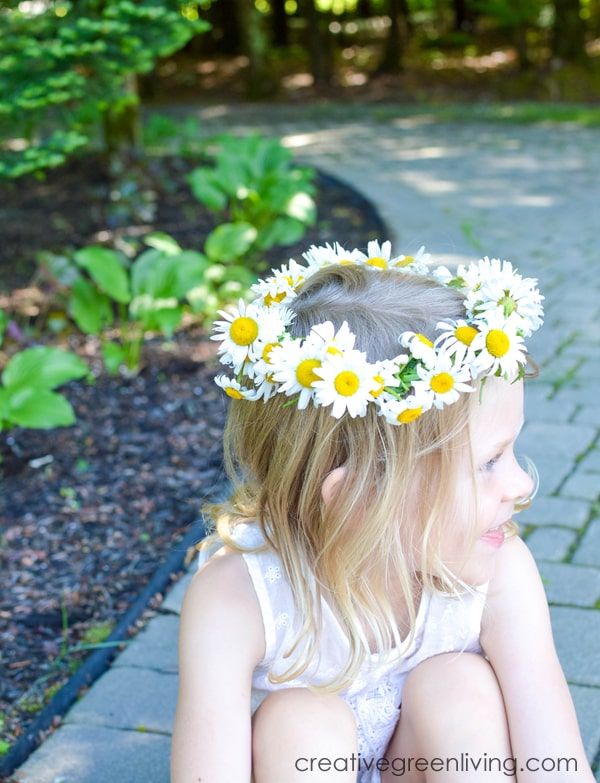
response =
{"points": [[494, 537]]}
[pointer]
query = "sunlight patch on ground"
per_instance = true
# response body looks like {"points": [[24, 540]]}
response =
{"points": [[428, 184]]}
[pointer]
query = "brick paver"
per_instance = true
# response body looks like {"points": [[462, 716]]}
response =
{"points": [[529, 194]]}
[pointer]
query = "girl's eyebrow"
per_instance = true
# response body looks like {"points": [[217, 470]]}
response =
{"points": [[503, 443]]}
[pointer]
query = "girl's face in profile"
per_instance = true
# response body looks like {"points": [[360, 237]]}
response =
{"points": [[499, 478]]}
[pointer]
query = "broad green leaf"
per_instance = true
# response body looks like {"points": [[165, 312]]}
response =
{"points": [[302, 207], [206, 189], [190, 267], [113, 355], [240, 273], [3, 406], [43, 368], [167, 320], [229, 241], [3, 324], [282, 231], [161, 315], [106, 270], [163, 242], [90, 308], [197, 298], [155, 274], [39, 409]]}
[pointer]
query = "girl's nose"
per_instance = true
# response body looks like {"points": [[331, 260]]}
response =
{"points": [[522, 484]]}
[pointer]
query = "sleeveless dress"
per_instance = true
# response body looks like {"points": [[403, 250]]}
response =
{"points": [[445, 623]]}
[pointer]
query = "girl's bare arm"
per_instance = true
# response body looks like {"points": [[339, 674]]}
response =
{"points": [[221, 640], [517, 638]]}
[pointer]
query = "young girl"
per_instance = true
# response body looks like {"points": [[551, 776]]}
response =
{"points": [[366, 610]]}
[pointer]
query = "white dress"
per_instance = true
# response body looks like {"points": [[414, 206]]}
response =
{"points": [[445, 623]]}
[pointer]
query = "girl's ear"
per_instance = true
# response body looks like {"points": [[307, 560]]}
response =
{"points": [[330, 484]]}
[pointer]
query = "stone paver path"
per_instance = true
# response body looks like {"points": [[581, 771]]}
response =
{"points": [[529, 194]]}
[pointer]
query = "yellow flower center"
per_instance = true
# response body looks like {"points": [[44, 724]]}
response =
{"points": [[269, 299], [377, 261], [442, 382], [346, 261], [497, 342], [243, 330], [380, 384], [235, 393], [465, 334], [406, 261], [424, 340], [270, 377], [410, 414], [305, 374], [267, 350], [335, 351], [346, 383]]}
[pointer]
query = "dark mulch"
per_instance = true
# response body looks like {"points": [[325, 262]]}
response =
{"points": [[89, 512]]}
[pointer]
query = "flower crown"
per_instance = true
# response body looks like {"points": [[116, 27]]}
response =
{"points": [[324, 367]]}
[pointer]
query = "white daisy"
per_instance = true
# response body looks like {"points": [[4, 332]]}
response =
{"points": [[498, 347], [281, 285], [509, 293], [332, 342], [465, 276], [385, 372], [442, 274], [456, 339], [294, 364], [378, 255], [241, 328], [406, 410], [346, 382], [234, 389], [419, 346], [319, 256], [445, 379], [414, 265]]}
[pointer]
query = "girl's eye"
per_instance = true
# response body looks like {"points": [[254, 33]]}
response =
{"points": [[489, 465]]}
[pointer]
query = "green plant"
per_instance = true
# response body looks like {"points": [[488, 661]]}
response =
{"points": [[67, 73], [264, 198], [27, 398], [151, 294], [105, 288]]}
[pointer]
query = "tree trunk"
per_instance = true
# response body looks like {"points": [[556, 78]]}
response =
{"points": [[318, 43], [463, 17], [569, 31], [391, 62], [259, 80], [121, 121], [520, 38], [226, 27], [280, 24]]}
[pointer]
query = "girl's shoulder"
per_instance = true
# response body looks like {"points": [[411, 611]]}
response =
{"points": [[259, 570], [220, 598]]}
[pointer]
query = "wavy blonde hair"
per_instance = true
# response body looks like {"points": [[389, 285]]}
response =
{"points": [[276, 458]]}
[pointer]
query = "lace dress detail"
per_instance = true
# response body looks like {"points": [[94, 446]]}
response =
{"points": [[445, 623]]}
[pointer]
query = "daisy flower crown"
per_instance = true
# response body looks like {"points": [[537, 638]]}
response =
{"points": [[325, 369]]}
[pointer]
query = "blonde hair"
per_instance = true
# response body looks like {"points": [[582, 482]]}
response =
{"points": [[276, 458]]}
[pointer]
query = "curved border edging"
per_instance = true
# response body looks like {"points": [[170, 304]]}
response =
{"points": [[99, 661]]}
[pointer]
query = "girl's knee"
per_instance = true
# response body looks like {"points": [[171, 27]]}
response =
{"points": [[452, 685], [300, 709], [294, 727]]}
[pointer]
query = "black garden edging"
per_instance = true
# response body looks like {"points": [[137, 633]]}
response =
{"points": [[99, 661]]}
